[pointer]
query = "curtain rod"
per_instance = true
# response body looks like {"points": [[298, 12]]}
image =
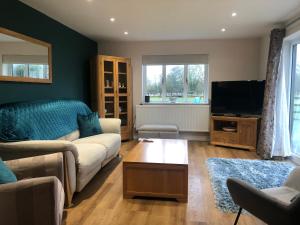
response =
{"points": [[292, 22]]}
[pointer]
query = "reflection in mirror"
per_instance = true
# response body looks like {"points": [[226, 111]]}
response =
{"points": [[24, 59]]}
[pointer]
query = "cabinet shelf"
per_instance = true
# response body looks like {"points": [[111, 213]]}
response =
{"points": [[226, 132], [123, 113], [108, 72], [122, 73], [109, 114], [109, 94]]}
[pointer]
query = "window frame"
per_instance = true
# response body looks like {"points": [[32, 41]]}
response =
{"points": [[292, 72], [185, 84], [293, 50]]}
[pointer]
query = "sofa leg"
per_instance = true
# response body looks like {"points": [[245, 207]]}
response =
{"points": [[238, 216]]}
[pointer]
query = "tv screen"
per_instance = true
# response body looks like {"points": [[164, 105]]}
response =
{"points": [[237, 97]]}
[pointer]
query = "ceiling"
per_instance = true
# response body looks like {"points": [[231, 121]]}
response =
{"points": [[168, 19]]}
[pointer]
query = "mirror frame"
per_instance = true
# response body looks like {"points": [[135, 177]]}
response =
{"points": [[34, 41]]}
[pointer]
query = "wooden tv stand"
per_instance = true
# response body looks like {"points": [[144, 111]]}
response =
{"points": [[238, 132]]}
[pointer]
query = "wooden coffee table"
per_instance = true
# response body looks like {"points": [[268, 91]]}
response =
{"points": [[157, 169]]}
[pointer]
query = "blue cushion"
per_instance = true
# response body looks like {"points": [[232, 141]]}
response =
{"points": [[6, 175], [89, 125]]}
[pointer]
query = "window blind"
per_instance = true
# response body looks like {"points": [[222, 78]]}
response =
{"points": [[25, 59], [175, 59]]}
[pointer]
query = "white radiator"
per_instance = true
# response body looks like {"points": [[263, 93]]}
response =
{"points": [[192, 118]]}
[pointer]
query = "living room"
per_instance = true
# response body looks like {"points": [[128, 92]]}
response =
{"points": [[149, 112]]}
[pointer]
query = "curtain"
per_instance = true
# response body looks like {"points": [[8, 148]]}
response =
{"points": [[266, 137], [281, 146]]}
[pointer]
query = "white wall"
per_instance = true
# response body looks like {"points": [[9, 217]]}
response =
{"points": [[229, 59], [264, 53]]}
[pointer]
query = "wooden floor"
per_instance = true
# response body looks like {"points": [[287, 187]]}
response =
{"points": [[102, 203]]}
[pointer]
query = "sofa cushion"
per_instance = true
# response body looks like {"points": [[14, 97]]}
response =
{"points": [[6, 175], [71, 136], [89, 125], [159, 127], [90, 156], [112, 142]]}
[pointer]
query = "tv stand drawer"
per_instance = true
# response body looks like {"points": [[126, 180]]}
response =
{"points": [[221, 136]]}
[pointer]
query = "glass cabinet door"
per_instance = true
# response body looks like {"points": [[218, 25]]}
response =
{"points": [[109, 88], [123, 92]]}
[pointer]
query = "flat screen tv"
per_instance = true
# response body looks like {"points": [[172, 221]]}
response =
{"points": [[237, 97]]}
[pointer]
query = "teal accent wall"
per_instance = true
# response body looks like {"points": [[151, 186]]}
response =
{"points": [[71, 53]]}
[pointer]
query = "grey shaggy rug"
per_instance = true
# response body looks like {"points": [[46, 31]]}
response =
{"points": [[259, 173]]}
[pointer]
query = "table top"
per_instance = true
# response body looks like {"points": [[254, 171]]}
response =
{"points": [[164, 151]]}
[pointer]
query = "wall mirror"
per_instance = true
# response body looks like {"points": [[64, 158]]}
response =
{"points": [[24, 59]]}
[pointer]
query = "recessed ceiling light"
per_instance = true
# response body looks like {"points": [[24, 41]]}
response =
{"points": [[112, 19], [89, 0], [126, 33], [223, 29], [234, 14]]}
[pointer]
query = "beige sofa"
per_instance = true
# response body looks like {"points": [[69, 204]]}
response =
{"points": [[83, 157]]}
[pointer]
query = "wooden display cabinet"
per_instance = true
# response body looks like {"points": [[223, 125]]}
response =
{"points": [[111, 90], [239, 132]]}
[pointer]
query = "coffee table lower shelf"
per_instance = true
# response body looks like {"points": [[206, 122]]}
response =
{"points": [[155, 180]]}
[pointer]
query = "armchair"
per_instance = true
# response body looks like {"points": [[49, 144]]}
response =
{"points": [[37, 198], [275, 206]]}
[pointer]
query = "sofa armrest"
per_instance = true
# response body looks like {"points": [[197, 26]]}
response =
{"points": [[37, 201], [293, 179], [38, 166], [263, 206], [110, 125], [21, 149]]}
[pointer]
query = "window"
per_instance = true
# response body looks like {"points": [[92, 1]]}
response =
{"points": [[197, 82], [174, 83], [295, 100], [179, 83], [25, 70], [19, 70], [33, 66], [154, 82]]}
